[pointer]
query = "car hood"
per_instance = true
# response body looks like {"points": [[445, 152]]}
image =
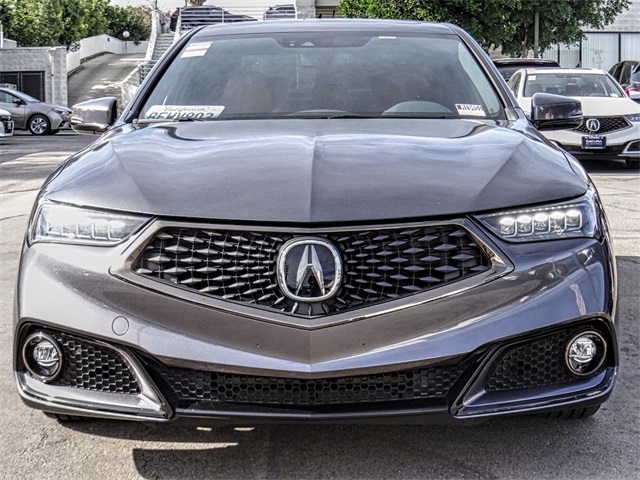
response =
{"points": [[315, 171]]}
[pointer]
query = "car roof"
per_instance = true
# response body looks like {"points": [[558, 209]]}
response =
{"points": [[331, 25], [565, 71], [523, 61]]}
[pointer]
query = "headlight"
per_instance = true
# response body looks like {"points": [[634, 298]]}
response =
{"points": [[66, 224], [62, 112], [577, 218], [633, 118]]}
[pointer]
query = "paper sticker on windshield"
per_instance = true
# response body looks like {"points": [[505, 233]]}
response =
{"points": [[473, 110], [183, 112], [197, 49]]}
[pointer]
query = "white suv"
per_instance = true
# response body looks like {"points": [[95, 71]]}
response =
{"points": [[6, 124], [611, 125]]}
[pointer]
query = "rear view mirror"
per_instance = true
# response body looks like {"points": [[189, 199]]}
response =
{"points": [[555, 112], [94, 116]]}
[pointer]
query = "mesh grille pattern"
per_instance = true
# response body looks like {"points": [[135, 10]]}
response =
{"points": [[201, 386], [92, 367], [607, 124], [533, 364], [377, 265]]}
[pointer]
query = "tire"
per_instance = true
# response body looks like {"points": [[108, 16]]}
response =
{"points": [[39, 125], [633, 163], [577, 413]]}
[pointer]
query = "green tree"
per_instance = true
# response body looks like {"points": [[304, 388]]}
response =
{"points": [[35, 23], [508, 24], [135, 20]]}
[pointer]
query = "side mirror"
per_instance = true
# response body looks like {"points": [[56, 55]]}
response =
{"points": [[555, 112], [19, 101], [634, 96], [94, 116]]}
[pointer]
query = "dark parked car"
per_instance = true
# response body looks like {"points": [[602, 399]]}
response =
{"points": [[306, 221], [191, 17], [279, 12], [627, 74], [509, 66]]}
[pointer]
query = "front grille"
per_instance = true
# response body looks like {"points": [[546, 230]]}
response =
{"points": [[607, 124], [89, 366], [378, 265], [191, 386], [533, 364]]}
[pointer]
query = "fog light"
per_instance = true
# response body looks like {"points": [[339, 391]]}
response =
{"points": [[42, 356], [585, 353]]}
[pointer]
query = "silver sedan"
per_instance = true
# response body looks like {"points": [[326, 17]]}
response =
{"points": [[31, 114]]}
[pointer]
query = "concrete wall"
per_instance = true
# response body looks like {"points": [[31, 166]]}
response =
{"points": [[91, 46], [51, 60]]}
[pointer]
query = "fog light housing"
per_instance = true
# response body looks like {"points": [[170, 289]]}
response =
{"points": [[585, 353], [42, 356]]}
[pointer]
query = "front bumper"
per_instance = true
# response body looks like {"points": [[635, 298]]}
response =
{"points": [[619, 144], [6, 127], [59, 120], [426, 360]]}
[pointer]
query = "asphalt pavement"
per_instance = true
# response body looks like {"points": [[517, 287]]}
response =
{"points": [[605, 446], [101, 77]]}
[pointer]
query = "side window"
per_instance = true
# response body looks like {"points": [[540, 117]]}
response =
{"points": [[624, 75], [514, 83], [6, 97]]}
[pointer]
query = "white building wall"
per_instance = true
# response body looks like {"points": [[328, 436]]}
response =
{"points": [[92, 46], [51, 60]]}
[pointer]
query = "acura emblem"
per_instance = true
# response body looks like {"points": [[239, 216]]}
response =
{"points": [[309, 269], [593, 125]]}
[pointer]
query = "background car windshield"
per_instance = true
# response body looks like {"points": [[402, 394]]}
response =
{"points": [[324, 73], [572, 85]]}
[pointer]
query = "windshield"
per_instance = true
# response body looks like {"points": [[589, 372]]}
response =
{"points": [[572, 85], [322, 74]]}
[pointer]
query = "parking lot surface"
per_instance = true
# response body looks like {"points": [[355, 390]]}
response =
{"points": [[602, 447]]}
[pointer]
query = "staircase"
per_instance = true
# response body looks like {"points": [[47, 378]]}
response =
{"points": [[163, 42]]}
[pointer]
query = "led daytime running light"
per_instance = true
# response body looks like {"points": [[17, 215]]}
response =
{"points": [[544, 223], [557, 221], [65, 224]]}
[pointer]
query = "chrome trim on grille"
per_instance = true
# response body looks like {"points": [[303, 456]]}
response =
{"points": [[500, 266], [605, 125], [147, 405]]}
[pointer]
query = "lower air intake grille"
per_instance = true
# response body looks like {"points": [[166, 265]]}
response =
{"points": [[90, 366], [534, 364], [199, 386], [378, 265]]}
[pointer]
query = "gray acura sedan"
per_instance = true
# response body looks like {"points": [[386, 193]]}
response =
{"points": [[318, 221]]}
